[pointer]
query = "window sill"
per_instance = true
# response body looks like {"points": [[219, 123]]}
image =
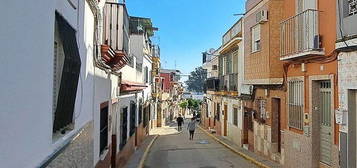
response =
{"points": [[254, 52], [104, 153], [61, 134]]}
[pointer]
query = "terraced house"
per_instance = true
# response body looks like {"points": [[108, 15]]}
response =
{"points": [[310, 64], [81, 116], [265, 110]]}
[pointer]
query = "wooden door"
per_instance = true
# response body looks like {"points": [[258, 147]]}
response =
{"points": [[276, 127], [225, 120]]}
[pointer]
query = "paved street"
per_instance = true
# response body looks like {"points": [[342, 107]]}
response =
{"points": [[175, 150]]}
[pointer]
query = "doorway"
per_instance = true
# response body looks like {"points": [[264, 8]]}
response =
{"points": [[225, 122], [352, 129], [325, 122], [276, 127]]}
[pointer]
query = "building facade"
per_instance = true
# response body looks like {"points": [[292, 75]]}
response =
{"points": [[91, 113], [346, 42], [265, 110], [308, 52]]}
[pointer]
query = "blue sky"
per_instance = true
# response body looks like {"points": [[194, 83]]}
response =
{"points": [[187, 27]]}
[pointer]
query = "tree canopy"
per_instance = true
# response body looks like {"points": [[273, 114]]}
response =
{"points": [[196, 80]]}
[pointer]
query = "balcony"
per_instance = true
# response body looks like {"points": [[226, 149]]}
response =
{"points": [[155, 51], [299, 36], [229, 82], [212, 84], [115, 47], [234, 31]]}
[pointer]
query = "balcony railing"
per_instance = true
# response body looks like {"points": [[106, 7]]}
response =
{"points": [[212, 84], [232, 32], [155, 51], [300, 35]]}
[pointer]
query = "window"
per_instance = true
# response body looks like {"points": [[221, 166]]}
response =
{"points": [[150, 77], [352, 7], [132, 117], [146, 74], [218, 112], [139, 67], [103, 141], [146, 115], [66, 69], [228, 60], [123, 127], [224, 65], [214, 67], [256, 38], [235, 61], [235, 116], [140, 111], [261, 109], [295, 106]]}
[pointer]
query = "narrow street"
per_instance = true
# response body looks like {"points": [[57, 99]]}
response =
{"points": [[174, 150]]}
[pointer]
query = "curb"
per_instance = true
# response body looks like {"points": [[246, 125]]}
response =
{"points": [[259, 164], [143, 158]]}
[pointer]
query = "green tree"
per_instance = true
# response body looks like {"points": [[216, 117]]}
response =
{"points": [[183, 104], [196, 80]]}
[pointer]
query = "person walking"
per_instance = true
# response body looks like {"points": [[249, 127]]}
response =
{"points": [[179, 121], [191, 127]]}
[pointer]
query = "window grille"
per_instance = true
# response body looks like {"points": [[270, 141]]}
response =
{"points": [[132, 117], [103, 129], [261, 109], [352, 7], [66, 75], [123, 127], [235, 116], [296, 103]]}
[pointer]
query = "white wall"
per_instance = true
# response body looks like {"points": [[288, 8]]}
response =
{"points": [[124, 101], [27, 35]]}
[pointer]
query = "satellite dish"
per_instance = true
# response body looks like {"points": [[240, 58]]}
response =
{"points": [[140, 28]]}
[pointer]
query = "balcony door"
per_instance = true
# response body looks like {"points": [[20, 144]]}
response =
{"points": [[307, 24]]}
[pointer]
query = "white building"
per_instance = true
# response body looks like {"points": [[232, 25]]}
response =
{"points": [[56, 108], [135, 105]]}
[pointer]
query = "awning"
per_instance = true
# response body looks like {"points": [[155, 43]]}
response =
{"points": [[128, 86]]}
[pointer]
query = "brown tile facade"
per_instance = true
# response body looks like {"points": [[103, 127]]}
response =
{"points": [[264, 64]]}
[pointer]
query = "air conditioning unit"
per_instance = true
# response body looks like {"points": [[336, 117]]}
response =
{"points": [[261, 16]]}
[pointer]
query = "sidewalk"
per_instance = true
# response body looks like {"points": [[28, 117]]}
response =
{"points": [[135, 159], [253, 157]]}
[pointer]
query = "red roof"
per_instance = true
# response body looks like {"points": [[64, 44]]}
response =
{"points": [[128, 86]]}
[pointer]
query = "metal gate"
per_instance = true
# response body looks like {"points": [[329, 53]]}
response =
{"points": [[325, 122]]}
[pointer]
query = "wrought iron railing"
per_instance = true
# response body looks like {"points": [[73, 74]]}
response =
{"points": [[299, 34]]}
